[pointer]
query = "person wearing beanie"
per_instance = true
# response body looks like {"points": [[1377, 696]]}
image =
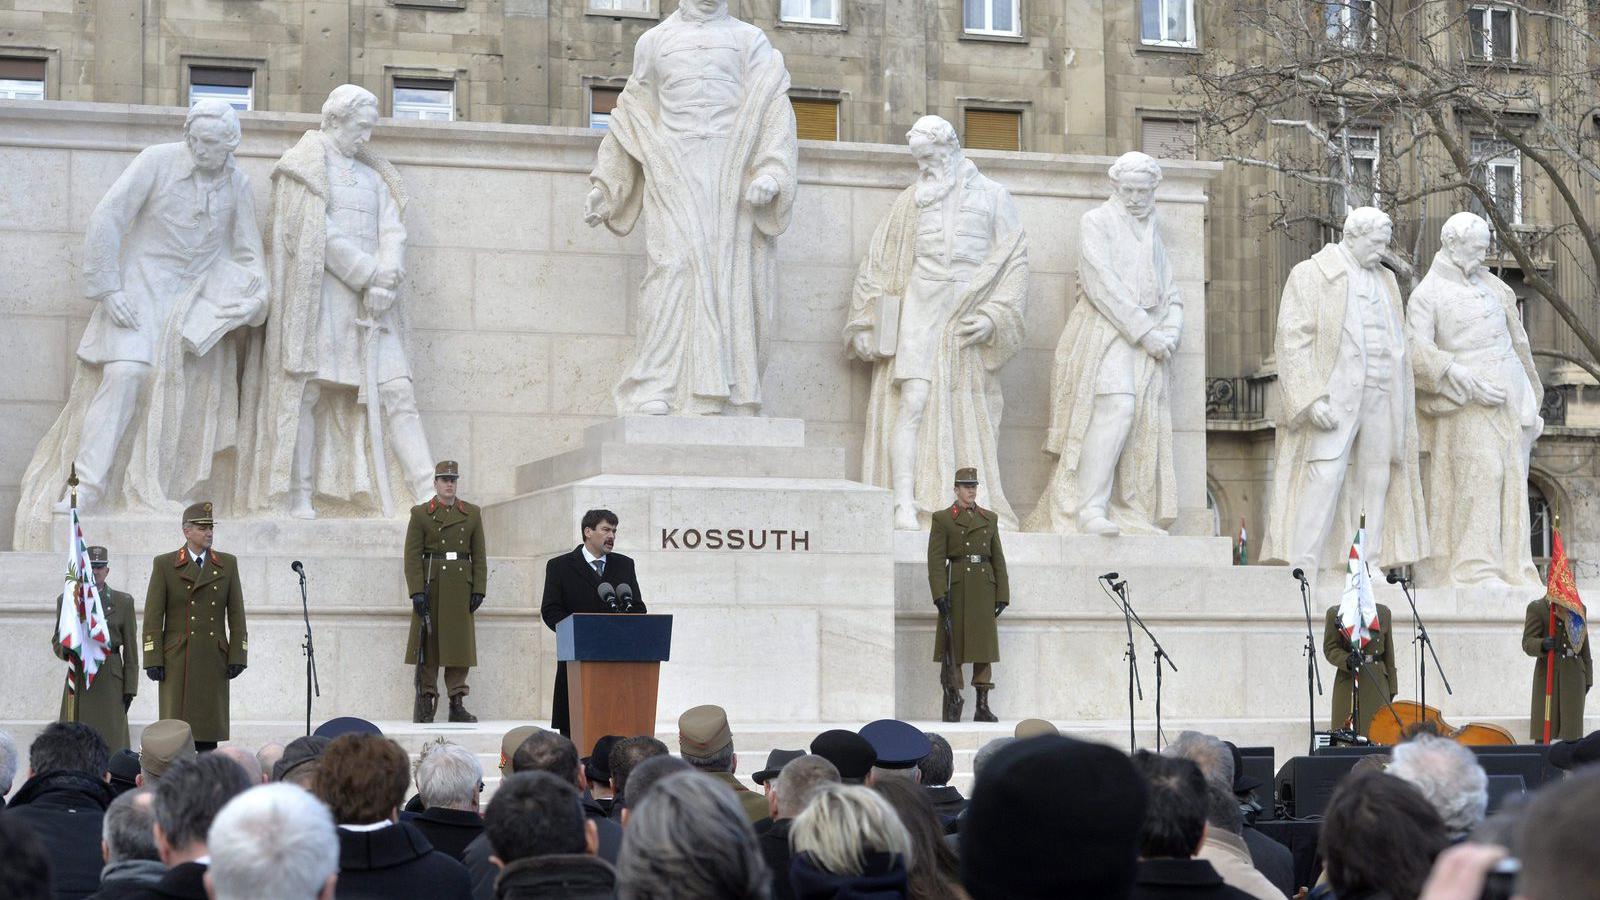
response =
{"points": [[1053, 817]]}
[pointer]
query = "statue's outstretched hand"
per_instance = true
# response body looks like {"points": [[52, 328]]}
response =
{"points": [[762, 190]]}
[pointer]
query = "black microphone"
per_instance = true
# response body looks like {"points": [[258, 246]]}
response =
{"points": [[626, 594], [1109, 576], [1299, 574], [1394, 576], [608, 595], [298, 568]]}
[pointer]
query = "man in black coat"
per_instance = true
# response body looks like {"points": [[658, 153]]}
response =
{"points": [[543, 846], [63, 803], [572, 585], [937, 768], [796, 783], [188, 797], [1174, 828]]}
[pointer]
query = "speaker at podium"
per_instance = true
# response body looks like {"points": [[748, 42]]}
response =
{"points": [[613, 672]]}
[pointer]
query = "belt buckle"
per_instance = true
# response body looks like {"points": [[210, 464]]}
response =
{"points": [[974, 559], [450, 556]]}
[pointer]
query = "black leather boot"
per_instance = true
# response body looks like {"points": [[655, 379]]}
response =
{"points": [[422, 710], [982, 713], [952, 705], [458, 711]]}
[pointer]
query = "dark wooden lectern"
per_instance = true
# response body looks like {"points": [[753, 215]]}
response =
{"points": [[613, 669]]}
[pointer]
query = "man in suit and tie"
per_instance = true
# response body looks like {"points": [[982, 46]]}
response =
{"points": [[572, 585]]}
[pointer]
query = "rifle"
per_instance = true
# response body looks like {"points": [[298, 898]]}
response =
{"points": [[417, 679], [949, 669]]}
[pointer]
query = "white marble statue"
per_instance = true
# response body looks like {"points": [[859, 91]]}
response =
{"points": [[703, 141], [1348, 417], [1478, 400], [173, 261], [1110, 388], [328, 392], [938, 309]]}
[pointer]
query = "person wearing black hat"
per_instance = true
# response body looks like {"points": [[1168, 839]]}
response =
{"points": [[967, 575], [124, 769], [597, 768], [447, 576], [300, 760], [343, 725], [849, 752], [1053, 817], [1269, 856], [194, 629], [104, 706]]}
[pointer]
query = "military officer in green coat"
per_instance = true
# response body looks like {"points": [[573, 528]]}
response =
{"points": [[104, 707], [1574, 673], [1373, 671], [967, 575], [194, 632], [447, 574]]}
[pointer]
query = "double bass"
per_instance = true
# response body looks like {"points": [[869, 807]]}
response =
{"points": [[1402, 718]]}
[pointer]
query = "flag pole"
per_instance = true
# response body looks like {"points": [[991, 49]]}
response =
{"points": [[77, 656], [1550, 655]]}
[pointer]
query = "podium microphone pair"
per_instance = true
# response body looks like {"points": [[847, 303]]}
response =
{"points": [[618, 599]]}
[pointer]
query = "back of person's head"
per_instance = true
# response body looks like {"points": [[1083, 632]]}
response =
{"points": [[843, 824], [987, 752], [1206, 751], [628, 753], [274, 842], [25, 870], [548, 751], [1555, 840], [1053, 817], [649, 773], [245, 760], [9, 763], [688, 838], [128, 828], [450, 777], [188, 798], [535, 814], [1175, 820], [939, 766], [362, 778], [1222, 810], [932, 871], [799, 780], [300, 760], [268, 756], [1380, 834], [69, 747], [1448, 775]]}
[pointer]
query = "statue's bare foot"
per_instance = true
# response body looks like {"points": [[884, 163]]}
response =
{"points": [[654, 408], [905, 518], [1099, 525]]}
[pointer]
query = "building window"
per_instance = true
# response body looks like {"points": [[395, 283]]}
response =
{"points": [[810, 12], [21, 79], [1539, 519], [1168, 138], [1167, 23], [235, 87], [1000, 17], [1352, 23], [428, 99], [1493, 30], [1357, 169], [636, 7], [1497, 167], [816, 119], [602, 100], [993, 129]]}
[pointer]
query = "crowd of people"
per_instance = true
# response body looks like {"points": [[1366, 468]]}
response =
{"points": [[858, 815]]}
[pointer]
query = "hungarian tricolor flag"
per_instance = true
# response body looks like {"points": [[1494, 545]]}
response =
{"points": [[1243, 558], [1358, 611], [81, 627], [1563, 594]]}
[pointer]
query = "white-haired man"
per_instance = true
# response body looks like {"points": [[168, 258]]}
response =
{"points": [[1347, 397], [337, 333], [450, 782], [1110, 411], [172, 258], [274, 842], [1449, 775], [938, 308]]}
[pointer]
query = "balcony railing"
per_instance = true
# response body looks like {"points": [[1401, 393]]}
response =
{"points": [[1235, 399]]}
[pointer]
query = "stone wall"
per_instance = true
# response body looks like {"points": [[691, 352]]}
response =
{"points": [[523, 318]]}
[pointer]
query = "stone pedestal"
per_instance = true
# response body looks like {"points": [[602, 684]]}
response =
{"points": [[777, 570]]}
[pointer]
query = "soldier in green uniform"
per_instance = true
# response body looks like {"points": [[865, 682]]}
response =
{"points": [[1375, 666], [104, 707], [967, 575], [1574, 674], [194, 633], [447, 574]]}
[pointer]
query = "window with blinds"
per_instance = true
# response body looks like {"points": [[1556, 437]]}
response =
{"points": [[1168, 138], [993, 129], [236, 87], [815, 119], [602, 100], [428, 99], [21, 78]]}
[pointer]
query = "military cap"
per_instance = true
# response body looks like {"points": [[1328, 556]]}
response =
{"points": [[163, 743], [198, 514], [967, 475], [99, 556], [849, 752], [703, 731], [898, 745], [776, 760], [509, 744], [1029, 728], [346, 725], [597, 765], [300, 751], [447, 468]]}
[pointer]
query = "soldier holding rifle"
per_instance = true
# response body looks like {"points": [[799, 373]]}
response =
{"points": [[447, 572], [967, 576]]}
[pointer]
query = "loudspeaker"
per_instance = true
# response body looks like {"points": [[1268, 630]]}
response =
{"points": [[1305, 783], [1503, 788], [1530, 761]]}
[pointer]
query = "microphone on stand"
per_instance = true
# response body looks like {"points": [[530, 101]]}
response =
{"points": [[1299, 575], [1395, 577], [626, 594], [298, 568], [1109, 577], [608, 595]]}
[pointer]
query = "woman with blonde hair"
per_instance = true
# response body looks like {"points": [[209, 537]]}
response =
{"points": [[849, 844]]}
